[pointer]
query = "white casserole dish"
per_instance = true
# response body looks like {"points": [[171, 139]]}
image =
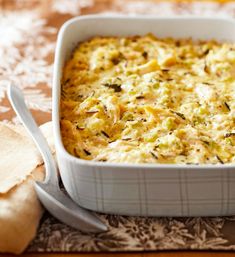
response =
{"points": [[142, 189]]}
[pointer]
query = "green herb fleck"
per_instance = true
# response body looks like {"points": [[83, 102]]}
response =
{"points": [[219, 159], [154, 155], [86, 152], [79, 128], [181, 115], [145, 54], [230, 134], [206, 142], [91, 112], [105, 134], [227, 106], [140, 97], [115, 87], [103, 160], [126, 139]]}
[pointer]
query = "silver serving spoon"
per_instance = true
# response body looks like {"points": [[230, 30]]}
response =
{"points": [[55, 201]]}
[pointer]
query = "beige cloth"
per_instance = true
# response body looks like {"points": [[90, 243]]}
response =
{"points": [[20, 165]]}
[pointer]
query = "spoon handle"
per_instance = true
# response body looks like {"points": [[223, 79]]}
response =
{"points": [[56, 202], [17, 101]]}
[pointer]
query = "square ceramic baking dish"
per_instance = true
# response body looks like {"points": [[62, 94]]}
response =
{"points": [[142, 189]]}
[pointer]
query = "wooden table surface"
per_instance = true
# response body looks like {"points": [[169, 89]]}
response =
{"points": [[140, 254]]}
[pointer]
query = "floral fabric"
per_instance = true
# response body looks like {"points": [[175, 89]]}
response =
{"points": [[28, 30]]}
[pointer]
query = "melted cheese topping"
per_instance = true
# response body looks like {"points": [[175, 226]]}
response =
{"points": [[150, 100]]}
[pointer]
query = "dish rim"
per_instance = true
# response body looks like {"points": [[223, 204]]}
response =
{"points": [[56, 98]]}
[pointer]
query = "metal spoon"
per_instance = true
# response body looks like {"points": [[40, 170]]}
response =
{"points": [[55, 201]]}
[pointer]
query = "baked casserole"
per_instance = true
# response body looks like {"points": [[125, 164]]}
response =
{"points": [[142, 99]]}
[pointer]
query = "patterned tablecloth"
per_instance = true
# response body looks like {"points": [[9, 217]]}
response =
{"points": [[28, 31]]}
